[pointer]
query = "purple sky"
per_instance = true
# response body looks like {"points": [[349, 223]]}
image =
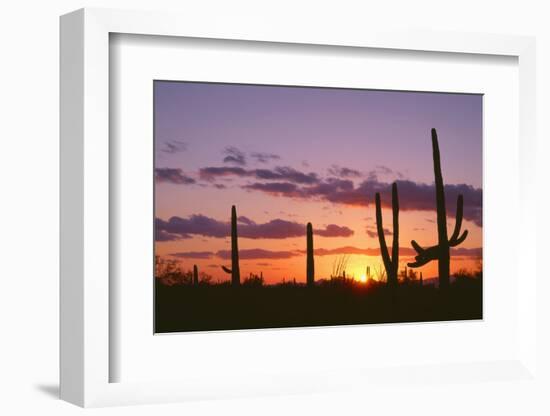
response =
{"points": [[278, 154], [380, 127]]}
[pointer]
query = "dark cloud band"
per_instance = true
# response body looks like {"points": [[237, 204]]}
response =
{"points": [[183, 228]]}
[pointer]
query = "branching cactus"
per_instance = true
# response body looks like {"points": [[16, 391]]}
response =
{"points": [[310, 263], [234, 271], [195, 275], [390, 263], [441, 251]]}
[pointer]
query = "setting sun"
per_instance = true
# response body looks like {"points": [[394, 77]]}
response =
{"points": [[363, 278]]}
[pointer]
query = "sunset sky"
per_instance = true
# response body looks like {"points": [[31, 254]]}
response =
{"points": [[286, 156]]}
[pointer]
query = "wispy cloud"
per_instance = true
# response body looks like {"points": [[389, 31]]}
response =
{"points": [[163, 235], [381, 170], [264, 157], [234, 155], [373, 232], [193, 255], [211, 173], [280, 173], [275, 188], [170, 175], [174, 146], [343, 172]]}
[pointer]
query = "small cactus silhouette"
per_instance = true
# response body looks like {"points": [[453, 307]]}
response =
{"points": [[195, 275], [390, 263], [441, 251], [310, 263], [234, 271]]}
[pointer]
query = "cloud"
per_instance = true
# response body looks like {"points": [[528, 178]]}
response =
{"points": [[378, 170], [413, 196], [161, 235], [333, 230], [276, 188], [234, 155], [194, 225], [257, 253], [245, 220], [193, 255], [170, 175], [285, 173], [343, 172], [205, 226], [280, 173], [174, 146], [467, 252], [210, 173], [372, 231], [264, 157]]}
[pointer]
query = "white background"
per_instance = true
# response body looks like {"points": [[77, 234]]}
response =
{"points": [[29, 172]]}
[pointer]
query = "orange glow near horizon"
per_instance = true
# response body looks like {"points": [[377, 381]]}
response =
{"points": [[294, 267]]}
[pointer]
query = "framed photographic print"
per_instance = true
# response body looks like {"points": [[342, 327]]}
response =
{"points": [[260, 211]]}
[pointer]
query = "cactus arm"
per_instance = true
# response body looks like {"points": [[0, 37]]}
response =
{"points": [[418, 263], [459, 216], [417, 247], [455, 239], [459, 240], [227, 270], [425, 255], [381, 238]]}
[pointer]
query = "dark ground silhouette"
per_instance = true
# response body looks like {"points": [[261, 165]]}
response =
{"points": [[181, 308]]}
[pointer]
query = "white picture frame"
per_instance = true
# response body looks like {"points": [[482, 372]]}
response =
{"points": [[85, 210]]}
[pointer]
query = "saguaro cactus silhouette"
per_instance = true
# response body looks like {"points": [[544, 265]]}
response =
{"points": [[390, 263], [310, 263], [234, 271], [195, 275], [441, 251]]}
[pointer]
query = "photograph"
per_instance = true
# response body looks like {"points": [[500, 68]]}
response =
{"points": [[280, 206]]}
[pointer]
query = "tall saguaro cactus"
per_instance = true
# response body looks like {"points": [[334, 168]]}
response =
{"points": [[195, 275], [441, 251], [235, 271], [310, 263], [391, 264]]}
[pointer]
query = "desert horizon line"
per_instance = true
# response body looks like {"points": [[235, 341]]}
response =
{"points": [[264, 254]]}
